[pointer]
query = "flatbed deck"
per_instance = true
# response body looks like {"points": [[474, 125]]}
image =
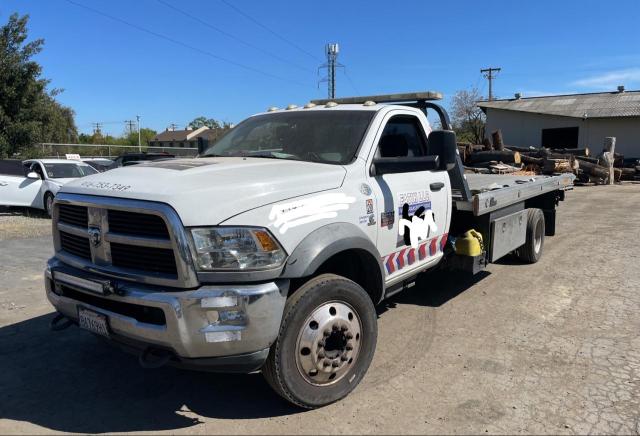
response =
{"points": [[495, 191]]}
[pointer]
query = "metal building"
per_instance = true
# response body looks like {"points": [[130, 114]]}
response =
{"points": [[569, 121]]}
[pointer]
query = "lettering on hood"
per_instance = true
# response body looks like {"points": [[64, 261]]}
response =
{"points": [[106, 186], [287, 215]]}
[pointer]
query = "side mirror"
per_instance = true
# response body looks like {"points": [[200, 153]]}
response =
{"points": [[395, 165], [33, 175], [443, 143]]}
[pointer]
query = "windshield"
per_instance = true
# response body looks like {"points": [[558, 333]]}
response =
{"points": [[67, 170], [315, 136]]}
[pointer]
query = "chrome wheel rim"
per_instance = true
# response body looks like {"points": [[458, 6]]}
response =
{"points": [[328, 343], [538, 237], [49, 204]]}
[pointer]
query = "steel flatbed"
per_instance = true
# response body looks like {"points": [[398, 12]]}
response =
{"points": [[491, 192]]}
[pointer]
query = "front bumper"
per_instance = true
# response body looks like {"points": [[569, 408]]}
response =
{"points": [[229, 326]]}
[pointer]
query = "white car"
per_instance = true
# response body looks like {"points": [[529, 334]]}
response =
{"points": [[40, 182]]}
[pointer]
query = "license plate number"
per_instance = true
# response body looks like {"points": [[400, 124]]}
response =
{"points": [[93, 321]]}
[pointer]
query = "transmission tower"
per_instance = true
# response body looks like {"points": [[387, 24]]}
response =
{"points": [[331, 65]]}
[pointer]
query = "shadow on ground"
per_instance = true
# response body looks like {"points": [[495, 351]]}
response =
{"points": [[23, 211], [72, 381]]}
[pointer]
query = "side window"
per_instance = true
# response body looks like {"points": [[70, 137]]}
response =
{"points": [[402, 136]]}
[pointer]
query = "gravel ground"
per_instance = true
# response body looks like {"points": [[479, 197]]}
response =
{"points": [[545, 348], [23, 223]]}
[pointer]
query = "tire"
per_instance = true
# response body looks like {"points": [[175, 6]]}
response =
{"points": [[531, 251], [303, 358], [48, 203]]}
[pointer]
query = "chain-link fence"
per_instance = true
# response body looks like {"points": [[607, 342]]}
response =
{"points": [[52, 150]]}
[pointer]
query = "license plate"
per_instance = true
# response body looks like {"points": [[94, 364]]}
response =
{"points": [[93, 321]]}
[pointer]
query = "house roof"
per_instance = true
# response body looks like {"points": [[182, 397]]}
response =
{"points": [[595, 105], [179, 135]]}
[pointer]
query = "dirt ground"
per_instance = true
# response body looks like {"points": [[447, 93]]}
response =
{"points": [[547, 348]]}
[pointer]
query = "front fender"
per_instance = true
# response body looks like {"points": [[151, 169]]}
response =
{"points": [[324, 242]]}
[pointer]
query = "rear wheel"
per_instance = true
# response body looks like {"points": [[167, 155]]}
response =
{"points": [[48, 203], [326, 342], [531, 251]]}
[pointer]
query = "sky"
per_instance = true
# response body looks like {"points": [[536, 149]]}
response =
{"points": [[170, 61]]}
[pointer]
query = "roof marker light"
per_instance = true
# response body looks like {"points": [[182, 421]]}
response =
{"points": [[331, 104], [292, 106], [309, 105], [369, 103], [272, 109]]}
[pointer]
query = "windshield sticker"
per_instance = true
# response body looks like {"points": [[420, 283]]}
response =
{"points": [[106, 186], [296, 213]]}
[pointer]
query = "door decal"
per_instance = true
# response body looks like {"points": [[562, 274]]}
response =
{"points": [[409, 255]]}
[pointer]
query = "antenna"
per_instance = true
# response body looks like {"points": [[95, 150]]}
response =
{"points": [[332, 50]]}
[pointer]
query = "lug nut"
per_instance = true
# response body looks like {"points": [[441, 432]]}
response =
{"points": [[334, 328], [349, 335], [349, 347], [344, 328], [320, 344], [344, 358], [335, 364], [326, 363], [321, 354]]}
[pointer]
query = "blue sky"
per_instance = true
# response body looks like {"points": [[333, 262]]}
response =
{"points": [[111, 71]]}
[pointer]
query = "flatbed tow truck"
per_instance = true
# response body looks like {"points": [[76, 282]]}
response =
{"points": [[270, 250]]}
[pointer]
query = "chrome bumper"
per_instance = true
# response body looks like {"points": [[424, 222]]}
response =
{"points": [[207, 322]]}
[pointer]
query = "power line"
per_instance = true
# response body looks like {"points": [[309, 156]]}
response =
{"points": [[250, 18], [229, 35], [350, 81], [488, 73], [185, 45]]}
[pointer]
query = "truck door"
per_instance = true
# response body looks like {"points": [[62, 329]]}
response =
{"points": [[19, 190], [413, 207]]}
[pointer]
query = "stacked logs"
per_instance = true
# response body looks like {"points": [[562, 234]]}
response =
{"points": [[493, 156]]}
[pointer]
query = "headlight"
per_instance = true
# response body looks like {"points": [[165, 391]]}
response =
{"points": [[235, 248]]}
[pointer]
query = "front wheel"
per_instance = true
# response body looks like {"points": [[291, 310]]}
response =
{"points": [[48, 203], [326, 342]]}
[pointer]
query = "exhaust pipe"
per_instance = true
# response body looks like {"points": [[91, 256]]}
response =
{"points": [[153, 358], [60, 322]]}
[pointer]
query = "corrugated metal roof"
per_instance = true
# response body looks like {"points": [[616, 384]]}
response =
{"points": [[597, 105]]}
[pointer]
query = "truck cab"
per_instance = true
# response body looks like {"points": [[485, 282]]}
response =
{"points": [[270, 250]]}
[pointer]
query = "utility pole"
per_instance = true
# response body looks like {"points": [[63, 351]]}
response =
{"points": [[139, 145], [331, 50], [97, 128], [489, 74], [129, 126]]}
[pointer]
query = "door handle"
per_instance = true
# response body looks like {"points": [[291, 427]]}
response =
{"points": [[3, 183], [436, 186]]}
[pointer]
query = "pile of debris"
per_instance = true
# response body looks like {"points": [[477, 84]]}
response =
{"points": [[493, 157]]}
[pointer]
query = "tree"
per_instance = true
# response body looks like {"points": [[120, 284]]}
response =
{"points": [[210, 123], [29, 112], [467, 118]]}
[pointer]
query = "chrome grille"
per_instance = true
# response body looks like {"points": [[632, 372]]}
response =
{"points": [[131, 223], [138, 240], [76, 245], [74, 215]]}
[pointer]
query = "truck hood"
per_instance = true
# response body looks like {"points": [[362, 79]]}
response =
{"points": [[207, 191]]}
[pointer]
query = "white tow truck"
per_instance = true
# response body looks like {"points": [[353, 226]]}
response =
{"points": [[271, 249]]}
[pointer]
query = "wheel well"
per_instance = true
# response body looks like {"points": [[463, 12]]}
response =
{"points": [[354, 264]]}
